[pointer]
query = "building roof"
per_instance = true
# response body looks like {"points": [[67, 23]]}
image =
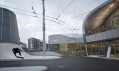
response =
{"points": [[99, 15], [71, 35]]}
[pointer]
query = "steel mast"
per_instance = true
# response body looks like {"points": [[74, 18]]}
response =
{"points": [[44, 43]]}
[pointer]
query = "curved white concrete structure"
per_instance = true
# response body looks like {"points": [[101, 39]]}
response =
{"points": [[9, 37], [6, 53]]}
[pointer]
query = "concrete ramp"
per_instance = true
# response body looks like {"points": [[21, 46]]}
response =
{"points": [[6, 53]]}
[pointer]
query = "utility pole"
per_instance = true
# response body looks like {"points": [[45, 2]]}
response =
{"points": [[44, 43]]}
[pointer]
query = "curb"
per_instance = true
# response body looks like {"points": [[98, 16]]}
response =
{"points": [[105, 58]]}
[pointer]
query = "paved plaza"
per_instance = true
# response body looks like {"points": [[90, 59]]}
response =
{"points": [[67, 63], [26, 68]]}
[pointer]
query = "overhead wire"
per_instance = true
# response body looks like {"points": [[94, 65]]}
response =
{"points": [[32, 6], [59, 15], [60, 24], [74, 14], [15, 8], [40, 14], [85, 5], [18, 9], [61, 9], [34, 12], [37, 13], [65, 8], [78, 8], [77, 16], [82, 13], [28, 11], [41, 18], [60, 21], [31, 13], [46, 19], [25, 14], [98, 3]]}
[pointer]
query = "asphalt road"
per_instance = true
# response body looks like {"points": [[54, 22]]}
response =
{"points": [[68, 64]]}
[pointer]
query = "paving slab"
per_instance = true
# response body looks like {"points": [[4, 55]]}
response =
{"points": [[27, 68]]}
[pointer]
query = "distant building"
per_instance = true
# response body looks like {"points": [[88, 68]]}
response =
{"points": [[23, 45], [65, 38], [56, 41], [52, 47], [34, 43]]}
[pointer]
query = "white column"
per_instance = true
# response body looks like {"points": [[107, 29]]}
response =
{"points": [[109, 49]]}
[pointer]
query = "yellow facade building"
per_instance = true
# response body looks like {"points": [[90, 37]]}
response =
{"points": [[72, 49]]}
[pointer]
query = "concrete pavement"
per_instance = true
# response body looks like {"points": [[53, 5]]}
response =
{"points": [[26, 68], [68, 63]]}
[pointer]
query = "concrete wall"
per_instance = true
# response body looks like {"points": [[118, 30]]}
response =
{"points": [[114, 33]]}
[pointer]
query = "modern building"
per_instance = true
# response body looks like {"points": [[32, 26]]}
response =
{"points": [[65, 38], [101, 30], [8, 27], [65, 43], [34, 43]]}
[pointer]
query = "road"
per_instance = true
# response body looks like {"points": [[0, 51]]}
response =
{"points": [[68, 63]]}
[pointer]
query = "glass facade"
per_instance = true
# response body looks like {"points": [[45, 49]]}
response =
{"points": [[73, 49], [97, 48], [8, 27], [115, 48]]}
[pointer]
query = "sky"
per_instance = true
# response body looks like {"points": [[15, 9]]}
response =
{"points": [[62, 16]]}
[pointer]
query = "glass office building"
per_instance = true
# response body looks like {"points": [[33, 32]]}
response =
{"points": [[8, 27], [101, 29]]}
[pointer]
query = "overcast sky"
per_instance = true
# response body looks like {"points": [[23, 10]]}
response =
{"points": [[71, 12]]}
